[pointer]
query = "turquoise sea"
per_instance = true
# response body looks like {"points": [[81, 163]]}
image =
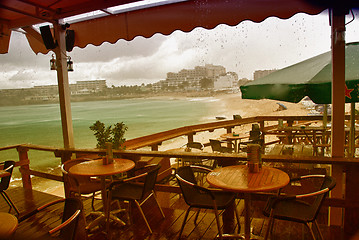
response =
{"points": [[41, 124]]}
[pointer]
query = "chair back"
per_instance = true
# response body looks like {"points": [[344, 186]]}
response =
{"points": [[190, 193], [328, 183], [215, 145], [74, 181], [150, 178], [5, 181], [71, 206], [196, 145], [255, 133]]}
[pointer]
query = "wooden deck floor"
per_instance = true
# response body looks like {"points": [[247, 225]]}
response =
{"points": [[174, 208]]}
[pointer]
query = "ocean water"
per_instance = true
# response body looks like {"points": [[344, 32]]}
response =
{"points": [[41, 124]]}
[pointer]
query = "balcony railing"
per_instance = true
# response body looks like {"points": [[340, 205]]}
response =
{"points": [[349, 167]]}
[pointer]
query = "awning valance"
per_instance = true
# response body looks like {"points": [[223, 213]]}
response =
{"points": [[167, 18]]}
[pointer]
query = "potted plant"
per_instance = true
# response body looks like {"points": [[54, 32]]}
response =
{"points": [[113, 134]]}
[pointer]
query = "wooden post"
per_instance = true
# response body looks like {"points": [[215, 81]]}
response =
{"points": [[338, 108], [64, 88], [351, 137], [261, 127], [338, 84], [190, 137], [351, 219], [229, 129], [154, 147], [24, 162]]}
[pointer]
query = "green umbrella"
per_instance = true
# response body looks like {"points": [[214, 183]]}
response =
{"points": [[312, 78]]}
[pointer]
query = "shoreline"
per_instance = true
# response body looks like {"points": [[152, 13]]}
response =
{"points": [[225, 104], [90, 98]]}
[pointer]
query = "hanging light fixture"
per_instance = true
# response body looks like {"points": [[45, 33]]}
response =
{"points": [[70, 63], [53, 63]]}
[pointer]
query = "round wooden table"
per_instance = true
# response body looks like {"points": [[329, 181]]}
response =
{"points": [[232, 137], [8, 225], [238, 179], [96, 168], [183, 159]]}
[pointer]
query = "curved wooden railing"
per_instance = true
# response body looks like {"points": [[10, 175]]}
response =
{"points": [[133, 150], [156, 139]]}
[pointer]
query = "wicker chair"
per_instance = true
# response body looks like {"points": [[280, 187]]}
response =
{"points": [[69, 225], [137, 189], [8, 166], [80, 185], [200, 197], [208, 163], [295, 208], [216, 146]]}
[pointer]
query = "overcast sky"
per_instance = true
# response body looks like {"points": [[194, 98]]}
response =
{"points": [[245, 48]]}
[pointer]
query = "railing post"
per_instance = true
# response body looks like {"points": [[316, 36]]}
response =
{"points": [[65, 156], [154, 147], [24, 167], [261, 128], [190, 137], [229, 129]]}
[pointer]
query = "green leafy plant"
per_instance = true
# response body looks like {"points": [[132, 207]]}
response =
{"points": [[113, 134]]}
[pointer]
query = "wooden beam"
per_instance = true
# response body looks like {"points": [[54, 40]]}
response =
{"points": [[64, 88], [338, 83], [338, 107], [35, 34]]}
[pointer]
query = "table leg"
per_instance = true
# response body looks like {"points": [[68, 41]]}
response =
{"points": [[236, 147], [105, 202], [247, 219], [105, 215], [228, 219]]}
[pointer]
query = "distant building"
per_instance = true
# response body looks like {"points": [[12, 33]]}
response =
{"points": [[225, 82], [191, 78], [50, 92], [262, 73], [88, 87]]}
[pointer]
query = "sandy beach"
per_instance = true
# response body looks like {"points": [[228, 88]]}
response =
{"points": [[232, 104], [228, 105]]}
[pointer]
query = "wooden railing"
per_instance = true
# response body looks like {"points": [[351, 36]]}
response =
{"points": [[133, 152], [155, 140]]}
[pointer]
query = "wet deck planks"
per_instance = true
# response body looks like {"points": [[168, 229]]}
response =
{"points": [[174, 208]]}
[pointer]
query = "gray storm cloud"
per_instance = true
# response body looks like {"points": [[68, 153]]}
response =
{"points": [[244, 48]]}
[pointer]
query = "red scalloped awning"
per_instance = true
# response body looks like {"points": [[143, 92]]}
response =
{"points": [[184, 16]]}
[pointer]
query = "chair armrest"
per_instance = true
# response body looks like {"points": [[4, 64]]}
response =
{"points": [[135, 177], [196, 167], [50, 204], [65, 223], [8, 168], [62, 225], [142, 174], [312, 194], [117, 182], [40, 208], [304, 195], [306, 177]]}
